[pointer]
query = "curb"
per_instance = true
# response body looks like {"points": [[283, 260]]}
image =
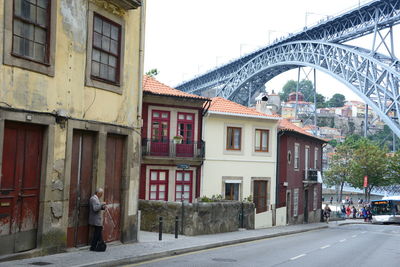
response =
{"points": [[173, 252]]}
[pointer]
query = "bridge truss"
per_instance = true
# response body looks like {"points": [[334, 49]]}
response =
{"points": [[373, 76]]}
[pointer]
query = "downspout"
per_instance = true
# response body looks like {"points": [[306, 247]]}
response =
{"points": [[141, 62], [278, 155]]}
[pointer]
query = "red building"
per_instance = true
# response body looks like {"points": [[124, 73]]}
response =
{"points": [[172, 148], [299, 165]]}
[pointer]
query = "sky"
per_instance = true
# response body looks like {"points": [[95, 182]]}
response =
{"points": [[185, 38]]}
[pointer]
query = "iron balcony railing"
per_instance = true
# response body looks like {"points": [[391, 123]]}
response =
{"points": [[311, 175], [171, 149]]}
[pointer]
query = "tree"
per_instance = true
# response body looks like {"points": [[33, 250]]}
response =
{"points": [[337, 100], [394, 168], [368, 160], [152, 72], [306, 87], [339, 167]]}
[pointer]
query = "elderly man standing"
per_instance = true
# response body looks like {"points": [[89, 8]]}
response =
{"points": [[95, 218]]}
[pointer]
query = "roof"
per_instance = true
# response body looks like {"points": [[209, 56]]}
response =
{"points": [[221, 105], [286, 125], [154, 87]]}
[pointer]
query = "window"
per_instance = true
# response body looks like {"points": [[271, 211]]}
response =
{"points": [[158, 185], [260, 196], [261, 142], [232, 191], [296, 156], [295, 202], [306, 158], [185, 127], [183, 186], [31, 29], [106, 45], [316, 158], [233, 138]]}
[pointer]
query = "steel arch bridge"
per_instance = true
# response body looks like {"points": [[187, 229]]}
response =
{"points": [[372, 76], [373, 80]]}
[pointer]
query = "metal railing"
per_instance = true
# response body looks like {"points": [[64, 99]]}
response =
{"points": [[171, 149]]}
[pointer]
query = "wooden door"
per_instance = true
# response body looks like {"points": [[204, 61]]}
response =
{"points": [[80, 188], [20, 186], [186, 130], [112, 188], [160, 133]]}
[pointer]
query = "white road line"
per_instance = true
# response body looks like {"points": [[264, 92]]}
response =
{"points": [[324, 247], [299, 256], [363, 232], [342, 240], [354, 236]]}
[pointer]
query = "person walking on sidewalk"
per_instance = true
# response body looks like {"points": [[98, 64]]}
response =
{"points": [[327, 213], [96, 220]]}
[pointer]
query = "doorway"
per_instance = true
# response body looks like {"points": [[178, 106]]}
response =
{"points": [[306, 206], [81, 184], [20, 186]]}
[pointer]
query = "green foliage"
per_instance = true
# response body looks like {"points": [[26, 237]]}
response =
{"points": [[214, 198], [368, 160], [333, 142], [394, 168], [248, 199], [384, 138], [152, 72], [306, 87], [337, 100]]}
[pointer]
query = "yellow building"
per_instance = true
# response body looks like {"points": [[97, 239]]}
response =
{"points": [[70, 118], [240, 160]]}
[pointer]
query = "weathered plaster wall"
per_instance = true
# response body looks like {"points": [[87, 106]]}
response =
{"points": [[199, 218]]}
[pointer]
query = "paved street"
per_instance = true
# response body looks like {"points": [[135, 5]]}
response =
{"points": [[348, 245]]}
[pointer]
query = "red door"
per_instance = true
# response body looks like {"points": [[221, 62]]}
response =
{"points": [[160, 133], [186, 130], [112, 188], [80, 188], [20, 186]]}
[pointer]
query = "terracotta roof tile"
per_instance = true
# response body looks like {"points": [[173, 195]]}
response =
{"points": [[286, 125], [152, 86], [219, 104]]}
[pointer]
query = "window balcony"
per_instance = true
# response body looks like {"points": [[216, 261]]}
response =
{"points": [[171, 149], [310, 176]]}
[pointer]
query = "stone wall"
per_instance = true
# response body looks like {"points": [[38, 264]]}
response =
{"points": [[199, 218]]}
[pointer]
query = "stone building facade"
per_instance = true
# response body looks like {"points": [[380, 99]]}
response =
{"points": [[70, 117]]}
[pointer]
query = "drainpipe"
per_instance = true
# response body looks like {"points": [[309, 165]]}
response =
{"points": [[141, 61], [278, 154]]}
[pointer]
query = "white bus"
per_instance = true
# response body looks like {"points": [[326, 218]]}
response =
{"points": [[386, 210]]}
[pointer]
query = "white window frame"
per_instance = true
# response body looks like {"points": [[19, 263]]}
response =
{"points": [[295, 202], [315, 158], [296, 156]]}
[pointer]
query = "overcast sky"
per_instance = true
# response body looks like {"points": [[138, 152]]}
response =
{"points": [[185, 38]]}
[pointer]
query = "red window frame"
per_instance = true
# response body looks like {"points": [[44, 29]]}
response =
{"points": [[160, 119], [157, 183], [36, 25], [104, 52], [185, 122], [230, 138], [182, 183], [260, 199], [262, 131]]}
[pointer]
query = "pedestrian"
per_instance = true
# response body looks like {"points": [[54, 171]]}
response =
{"points": [[331, 199], [343, 210], [369, 215], [354, 212], [348, 212], [364, 213], [96, 220], [327, 213]]}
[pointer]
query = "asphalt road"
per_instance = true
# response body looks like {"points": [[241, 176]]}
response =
{"points": [[344, 246]]}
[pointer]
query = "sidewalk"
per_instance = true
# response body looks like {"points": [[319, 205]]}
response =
{"points": [[149, 247]]}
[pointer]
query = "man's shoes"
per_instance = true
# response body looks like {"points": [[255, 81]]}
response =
{"points": [[92, 249]]}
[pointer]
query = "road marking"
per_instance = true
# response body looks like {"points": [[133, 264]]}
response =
{"points": [[299, 256], [342, 240], [324, 247], [354, 236], [363, 232]]}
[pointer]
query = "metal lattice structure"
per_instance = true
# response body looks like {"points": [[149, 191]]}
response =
{"points": [[374, 77]]}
